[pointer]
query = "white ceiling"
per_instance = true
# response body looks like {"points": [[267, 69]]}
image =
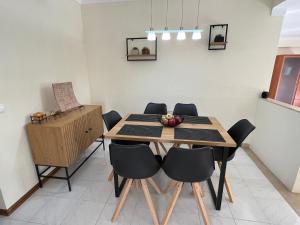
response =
{"points": [[290, 33]]}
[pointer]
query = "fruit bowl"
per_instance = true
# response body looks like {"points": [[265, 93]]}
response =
{"points": [[171, 121]]}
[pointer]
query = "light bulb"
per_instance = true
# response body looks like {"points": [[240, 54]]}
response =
{"points": [[151, 36], [181, 35], [166, 35], [196, 35]]}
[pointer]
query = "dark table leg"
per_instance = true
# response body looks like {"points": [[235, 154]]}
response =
{"points": [[118, 189], [218, 198]]}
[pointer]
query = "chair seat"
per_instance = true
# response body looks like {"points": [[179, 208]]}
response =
{"points": [[123, 142], [218, 153]]}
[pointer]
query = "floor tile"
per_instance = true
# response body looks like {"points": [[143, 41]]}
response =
{"points": [[96, 191], [54, 212], [14, 222], [125, 217], [26, 211], [85, 213], [59, 189], [244, 222], [262, 188], [220, 221], [246, 208], [278, 212]]}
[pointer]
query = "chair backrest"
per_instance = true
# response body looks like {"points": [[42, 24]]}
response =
{"points": [[156, 108], [185, 110], [239, 132], [188, 165], [111, 119], [133, 161]]}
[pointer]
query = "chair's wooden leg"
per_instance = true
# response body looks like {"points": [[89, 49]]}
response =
{"points": [[111, 175], [154, 185], [134, 184], [163, 147], [227, 186], [196, 189], [157, 148], [229, 190], [176, 145], [201, 192], [170, 185], [150, 202], [172, 203], [122, 200]]}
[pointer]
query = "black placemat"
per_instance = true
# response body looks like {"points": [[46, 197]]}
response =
{"points": [[144, 118], [196, 120], [139, 130], [198, 134]]}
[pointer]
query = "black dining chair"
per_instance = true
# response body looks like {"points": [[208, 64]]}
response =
{"points": [[111, 119], [188, 166], [181, 109], [156, 108], [161, 109], [185, 110], [135, 163], [239, 132]]}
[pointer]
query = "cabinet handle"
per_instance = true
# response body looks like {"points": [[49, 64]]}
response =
{"points": [[86, 131], [90, 129]]}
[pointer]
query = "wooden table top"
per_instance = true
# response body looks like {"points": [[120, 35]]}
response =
{"points": [[167, 135]]}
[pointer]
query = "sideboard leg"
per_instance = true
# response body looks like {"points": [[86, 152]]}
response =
{"points": [[103, 143], [68, 178], [38, 175]]}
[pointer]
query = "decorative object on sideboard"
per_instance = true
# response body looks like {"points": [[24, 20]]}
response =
{"points": [[181, 32], [38, 117], [65, 96], [218, 37], [148, 52]]}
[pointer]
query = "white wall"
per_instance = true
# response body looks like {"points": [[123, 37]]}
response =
{"points": [[41, 43], [225, 84], [276, 141], [2, 204]]}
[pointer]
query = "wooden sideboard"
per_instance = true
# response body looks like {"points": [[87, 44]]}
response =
{"points": [[60, 141]]}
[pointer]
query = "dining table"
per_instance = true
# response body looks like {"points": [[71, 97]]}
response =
{"points": [[194, 130]]}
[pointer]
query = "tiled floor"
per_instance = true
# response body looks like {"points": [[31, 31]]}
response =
{"points": [[292, 198], [92, 200]]}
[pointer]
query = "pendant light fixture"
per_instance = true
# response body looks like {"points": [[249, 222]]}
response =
{"points": [[197, 32], [151, 34], [181, 34], [166, 34]]}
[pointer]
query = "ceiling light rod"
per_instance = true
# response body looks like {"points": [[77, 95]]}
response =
{"points": [[174, 31], [151, 35]]}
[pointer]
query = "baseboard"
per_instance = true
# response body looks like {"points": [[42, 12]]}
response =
{"points": [[10, 210], [245, 145]]}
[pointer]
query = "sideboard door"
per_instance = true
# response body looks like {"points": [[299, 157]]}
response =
{"points": [[76, 138], [95, 124]]}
